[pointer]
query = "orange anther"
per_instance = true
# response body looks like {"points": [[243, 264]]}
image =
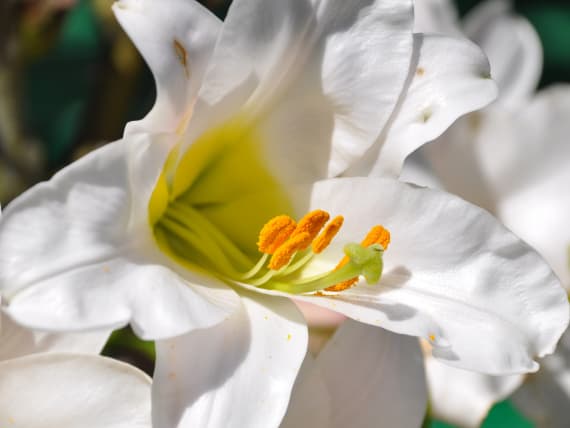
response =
{"points": [[311, 223], [377, 235], [343, 285], [324, 239], [274, 233], [283, 254]]}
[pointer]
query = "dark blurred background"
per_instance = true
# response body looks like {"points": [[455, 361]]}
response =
{"points": [[70, 79]]}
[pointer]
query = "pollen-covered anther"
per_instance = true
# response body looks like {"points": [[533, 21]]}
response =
{"points": [[275, 233], [377, 235], [341, 286], [311, 223], [327, 235], [285, 252]]}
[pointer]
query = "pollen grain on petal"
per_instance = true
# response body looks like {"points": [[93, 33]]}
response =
{"points": [[324, 239], [285, 252], [275, 233], [311, 223]]}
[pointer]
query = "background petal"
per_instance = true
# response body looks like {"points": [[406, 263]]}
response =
{"points": [[464, 397], [544, 398], [514, 164], [62, 390], [176, 38], [534, 178], [310, 403], [513, 47], [448, 78], [374, 377], [241, 371], [436, 16]]}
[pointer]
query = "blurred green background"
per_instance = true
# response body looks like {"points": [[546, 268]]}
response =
{"points": [[70, 80]]}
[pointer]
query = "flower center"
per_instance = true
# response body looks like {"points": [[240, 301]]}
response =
{"points": [[286, 248], [209, 205]]}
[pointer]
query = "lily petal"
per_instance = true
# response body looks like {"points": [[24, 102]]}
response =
{"points": [[373, 375], [545, 396], [310, 403], [176, 38], [458, 158], [452, 274], [464, 397], [512, 45], [534, 201], [450, 77], [17, 341], [243, 372], [523, 180], [436, 16], [417, 170], [73, 390], [326, 72], [73, 255]]}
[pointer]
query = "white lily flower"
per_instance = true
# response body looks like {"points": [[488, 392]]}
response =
{"points": [[519, 171], [159, 230], [69, 390], [512, 159]]}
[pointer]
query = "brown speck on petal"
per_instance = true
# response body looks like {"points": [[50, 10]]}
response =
{"points": [[420, 71], [182, 55]]}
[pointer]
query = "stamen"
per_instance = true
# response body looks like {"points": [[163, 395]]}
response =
{"points": [[377, 235], [286, 244], [185, 214], [311, 223], [274, 233], [324, 239], [296, 265], [343, 285], [362, 261], [284, 253]]}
